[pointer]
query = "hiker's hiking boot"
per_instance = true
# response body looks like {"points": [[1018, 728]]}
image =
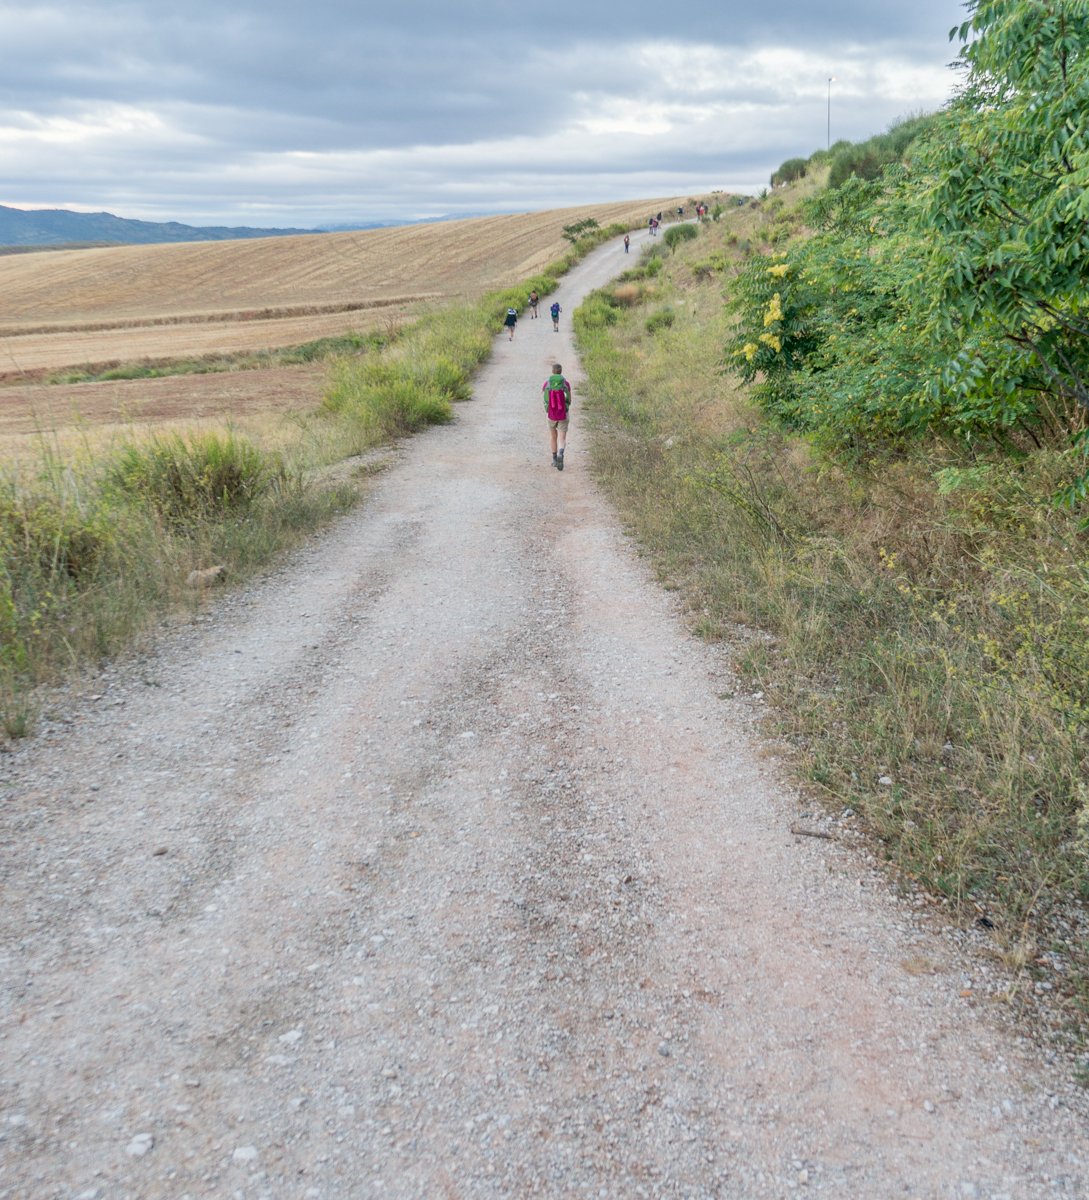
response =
{"points": [[555, 460], [559, 461]]}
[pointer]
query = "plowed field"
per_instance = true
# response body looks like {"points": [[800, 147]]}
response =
{"points": [[187, 398]]}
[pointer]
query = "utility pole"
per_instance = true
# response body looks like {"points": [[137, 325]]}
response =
{"points": [[831, 80]]}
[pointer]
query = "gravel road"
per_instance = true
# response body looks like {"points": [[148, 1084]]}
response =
{"points": [[432, 866]]}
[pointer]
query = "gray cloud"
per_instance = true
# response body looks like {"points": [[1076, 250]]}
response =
{"points": [[283, 114]]}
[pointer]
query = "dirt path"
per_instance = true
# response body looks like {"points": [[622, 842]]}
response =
{"points": [[433, 867]]}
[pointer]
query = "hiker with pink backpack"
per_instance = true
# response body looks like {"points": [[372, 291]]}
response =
{"points": [[557, 402]]}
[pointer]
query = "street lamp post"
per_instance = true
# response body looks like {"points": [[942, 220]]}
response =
{"points": [[831, 80]]}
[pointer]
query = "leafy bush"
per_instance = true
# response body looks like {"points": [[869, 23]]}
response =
{"points": [[948, 297], [676, 234], [660, 320], [790, 171], [595, 312], [60, 539], [868, 160], [191, 478], [577, 232]]}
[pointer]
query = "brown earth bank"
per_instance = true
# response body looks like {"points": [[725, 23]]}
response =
{"points": [[436, 865]]}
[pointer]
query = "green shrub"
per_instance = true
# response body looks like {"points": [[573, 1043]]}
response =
{"points": [[868, 159], [660, 320], [676, 234], [792, 170], [58, 538], [595, 312], [387, 400], [578, 231], [191, 478]]}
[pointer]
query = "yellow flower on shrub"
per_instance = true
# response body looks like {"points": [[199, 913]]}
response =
{"points": [[749, 349], [774, 313], [779, 271], [769, 339]]}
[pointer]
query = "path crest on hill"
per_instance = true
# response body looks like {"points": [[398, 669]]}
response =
{"points": [[432, 866]]}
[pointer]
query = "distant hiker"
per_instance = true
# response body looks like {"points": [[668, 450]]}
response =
{"points": [[659, 218], [556, 310], [533, 301], [511, 321], [557, 402], [651, 223], [627, 243], [680, 210]]}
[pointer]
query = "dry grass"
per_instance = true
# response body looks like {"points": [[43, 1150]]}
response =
{"points": [[924, 653]]}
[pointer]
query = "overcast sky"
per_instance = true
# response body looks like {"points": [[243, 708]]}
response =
{"points": [[230, 112]]}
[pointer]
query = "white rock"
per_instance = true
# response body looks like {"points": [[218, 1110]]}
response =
{"points": [[140, 1145], [885, 781], [969, 1189], [89, 1194], [244, 1154], [290, 1038], [279, 1060]]}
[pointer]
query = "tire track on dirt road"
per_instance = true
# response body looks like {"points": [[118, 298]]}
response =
{"points": [[470, 887]]}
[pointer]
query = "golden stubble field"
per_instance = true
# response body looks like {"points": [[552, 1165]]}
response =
{"points": [[128, 303]]}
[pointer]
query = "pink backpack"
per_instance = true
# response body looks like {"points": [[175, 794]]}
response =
{"points": [[557, 404]]}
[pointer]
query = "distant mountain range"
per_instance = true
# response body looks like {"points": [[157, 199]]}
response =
{"points": [[59, 226], [48, 226]]}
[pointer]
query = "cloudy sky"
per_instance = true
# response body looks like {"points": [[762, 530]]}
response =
{"points": [[288, 113]]}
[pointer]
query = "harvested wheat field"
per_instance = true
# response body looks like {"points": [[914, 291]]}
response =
{"points": [[236, 395], [35, 355], [125, 303]]}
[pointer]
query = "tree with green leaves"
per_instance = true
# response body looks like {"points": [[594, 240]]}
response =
{"points": [[1005, 204], [949, 295]]}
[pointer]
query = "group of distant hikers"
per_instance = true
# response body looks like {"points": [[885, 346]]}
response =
{"points": [[655, 222], [534, 304], [556, 389]]}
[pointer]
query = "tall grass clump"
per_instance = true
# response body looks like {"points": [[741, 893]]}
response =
{"points": [[96, 548], [190, 478], [916, 618]]}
